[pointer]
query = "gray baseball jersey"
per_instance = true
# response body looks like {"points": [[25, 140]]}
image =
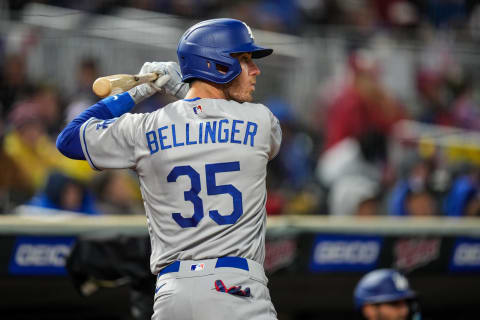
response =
{"points": [[202, 167]]}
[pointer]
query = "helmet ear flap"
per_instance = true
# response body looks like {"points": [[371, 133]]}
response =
{"points": [[212, 67], [221, 68]]}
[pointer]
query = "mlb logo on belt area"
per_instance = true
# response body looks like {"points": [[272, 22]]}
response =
{"points": [[197, 267]]}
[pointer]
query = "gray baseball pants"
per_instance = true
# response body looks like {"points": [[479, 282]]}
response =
{"points": [[215, 289]]}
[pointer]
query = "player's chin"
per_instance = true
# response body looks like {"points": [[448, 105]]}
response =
{"points": [[248, 97], [243, 98]]}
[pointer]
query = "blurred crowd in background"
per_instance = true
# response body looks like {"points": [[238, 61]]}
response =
{"points": [[297, 16], [353, 156]]}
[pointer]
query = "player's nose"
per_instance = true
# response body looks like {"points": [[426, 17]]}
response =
{"points": [[253, 69]]}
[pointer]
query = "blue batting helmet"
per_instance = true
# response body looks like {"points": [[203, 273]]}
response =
{"points": [[380, 286], [211, 43]]}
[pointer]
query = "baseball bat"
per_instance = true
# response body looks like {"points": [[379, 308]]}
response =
{"points": [[118, 83]]}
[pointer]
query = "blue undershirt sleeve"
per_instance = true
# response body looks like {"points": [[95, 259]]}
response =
{"points": [[68, 141]]}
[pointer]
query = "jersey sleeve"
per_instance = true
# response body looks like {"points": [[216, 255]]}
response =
{"points": [[110, 143], [275, 136]]}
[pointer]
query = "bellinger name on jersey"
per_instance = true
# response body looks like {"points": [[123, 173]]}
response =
{"points": [[217, 131]]}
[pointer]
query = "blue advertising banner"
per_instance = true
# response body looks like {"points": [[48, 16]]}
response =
{"points": [[345, 253], [466, 255], [40, 255]]}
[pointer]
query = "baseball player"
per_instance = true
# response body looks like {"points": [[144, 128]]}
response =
{"points": [[385, 294], [201, 162]]}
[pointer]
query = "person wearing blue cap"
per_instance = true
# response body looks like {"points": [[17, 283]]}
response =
{"points": [[385, 294]]}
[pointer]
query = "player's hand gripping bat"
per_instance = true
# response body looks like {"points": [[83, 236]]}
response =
{"points": [[118, 83]]}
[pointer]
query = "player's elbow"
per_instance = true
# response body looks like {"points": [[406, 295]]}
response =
{"points": [[68, 143], [62, 144]]}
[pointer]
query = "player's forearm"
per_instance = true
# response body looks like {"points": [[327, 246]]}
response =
{"points": [[68, 141]]}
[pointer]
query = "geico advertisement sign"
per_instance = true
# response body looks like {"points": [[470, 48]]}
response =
{"points": [[466, 255], [40, 255], [345, 253]]}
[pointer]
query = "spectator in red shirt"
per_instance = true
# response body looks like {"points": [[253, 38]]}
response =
{"points": [[357, 123], [364, 106]]}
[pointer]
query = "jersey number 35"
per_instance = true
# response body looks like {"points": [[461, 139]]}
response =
{"points": [[212, 189]]}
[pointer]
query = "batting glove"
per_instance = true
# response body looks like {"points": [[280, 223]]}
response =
{"points": [[169, 81], [172, 86]]}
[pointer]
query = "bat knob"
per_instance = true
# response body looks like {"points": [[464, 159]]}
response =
{"points": [[102, 87]]}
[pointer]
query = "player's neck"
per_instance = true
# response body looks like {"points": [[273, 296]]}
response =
{"points": [[203, 89]]}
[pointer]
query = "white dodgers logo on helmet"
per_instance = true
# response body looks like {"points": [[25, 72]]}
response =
{"points": [[401, 283], [249, 30]]}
